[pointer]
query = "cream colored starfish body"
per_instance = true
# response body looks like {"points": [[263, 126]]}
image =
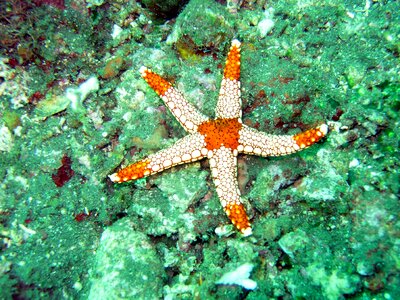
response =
{"points": [[220, 139]]}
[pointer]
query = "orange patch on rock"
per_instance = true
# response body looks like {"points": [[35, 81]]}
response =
{"points": [[156, 82], [221, 132], [112, 67]]}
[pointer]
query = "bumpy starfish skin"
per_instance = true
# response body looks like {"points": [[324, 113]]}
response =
{"points": [[220, 140]]}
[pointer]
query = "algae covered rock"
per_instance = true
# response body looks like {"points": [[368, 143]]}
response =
{"points": [[198, 17], [126, 265]]}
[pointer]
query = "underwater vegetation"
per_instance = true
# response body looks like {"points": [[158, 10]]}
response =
{"points": [[74, 108]]}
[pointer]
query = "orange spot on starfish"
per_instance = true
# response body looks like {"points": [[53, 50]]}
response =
{"points": [[134, 171], [156, 82], [309, 137], [221, 132], [232, 68], [237, 214]]}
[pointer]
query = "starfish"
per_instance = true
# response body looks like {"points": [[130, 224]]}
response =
{"points": [[220, 139]]}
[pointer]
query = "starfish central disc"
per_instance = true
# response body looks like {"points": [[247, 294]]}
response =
{"points": [[221, 132]]}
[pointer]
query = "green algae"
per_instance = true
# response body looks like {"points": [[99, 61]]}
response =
{"points": [[163, 211], [217, 21], [126, 265], [325, 220]]}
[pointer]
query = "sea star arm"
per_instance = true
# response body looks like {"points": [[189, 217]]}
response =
{"points": [[186, 150], [183, 111], [223, 164], [229, 101], [255, 142]]}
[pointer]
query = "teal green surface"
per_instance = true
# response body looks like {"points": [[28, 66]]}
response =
{"points": [[325, 220]]}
